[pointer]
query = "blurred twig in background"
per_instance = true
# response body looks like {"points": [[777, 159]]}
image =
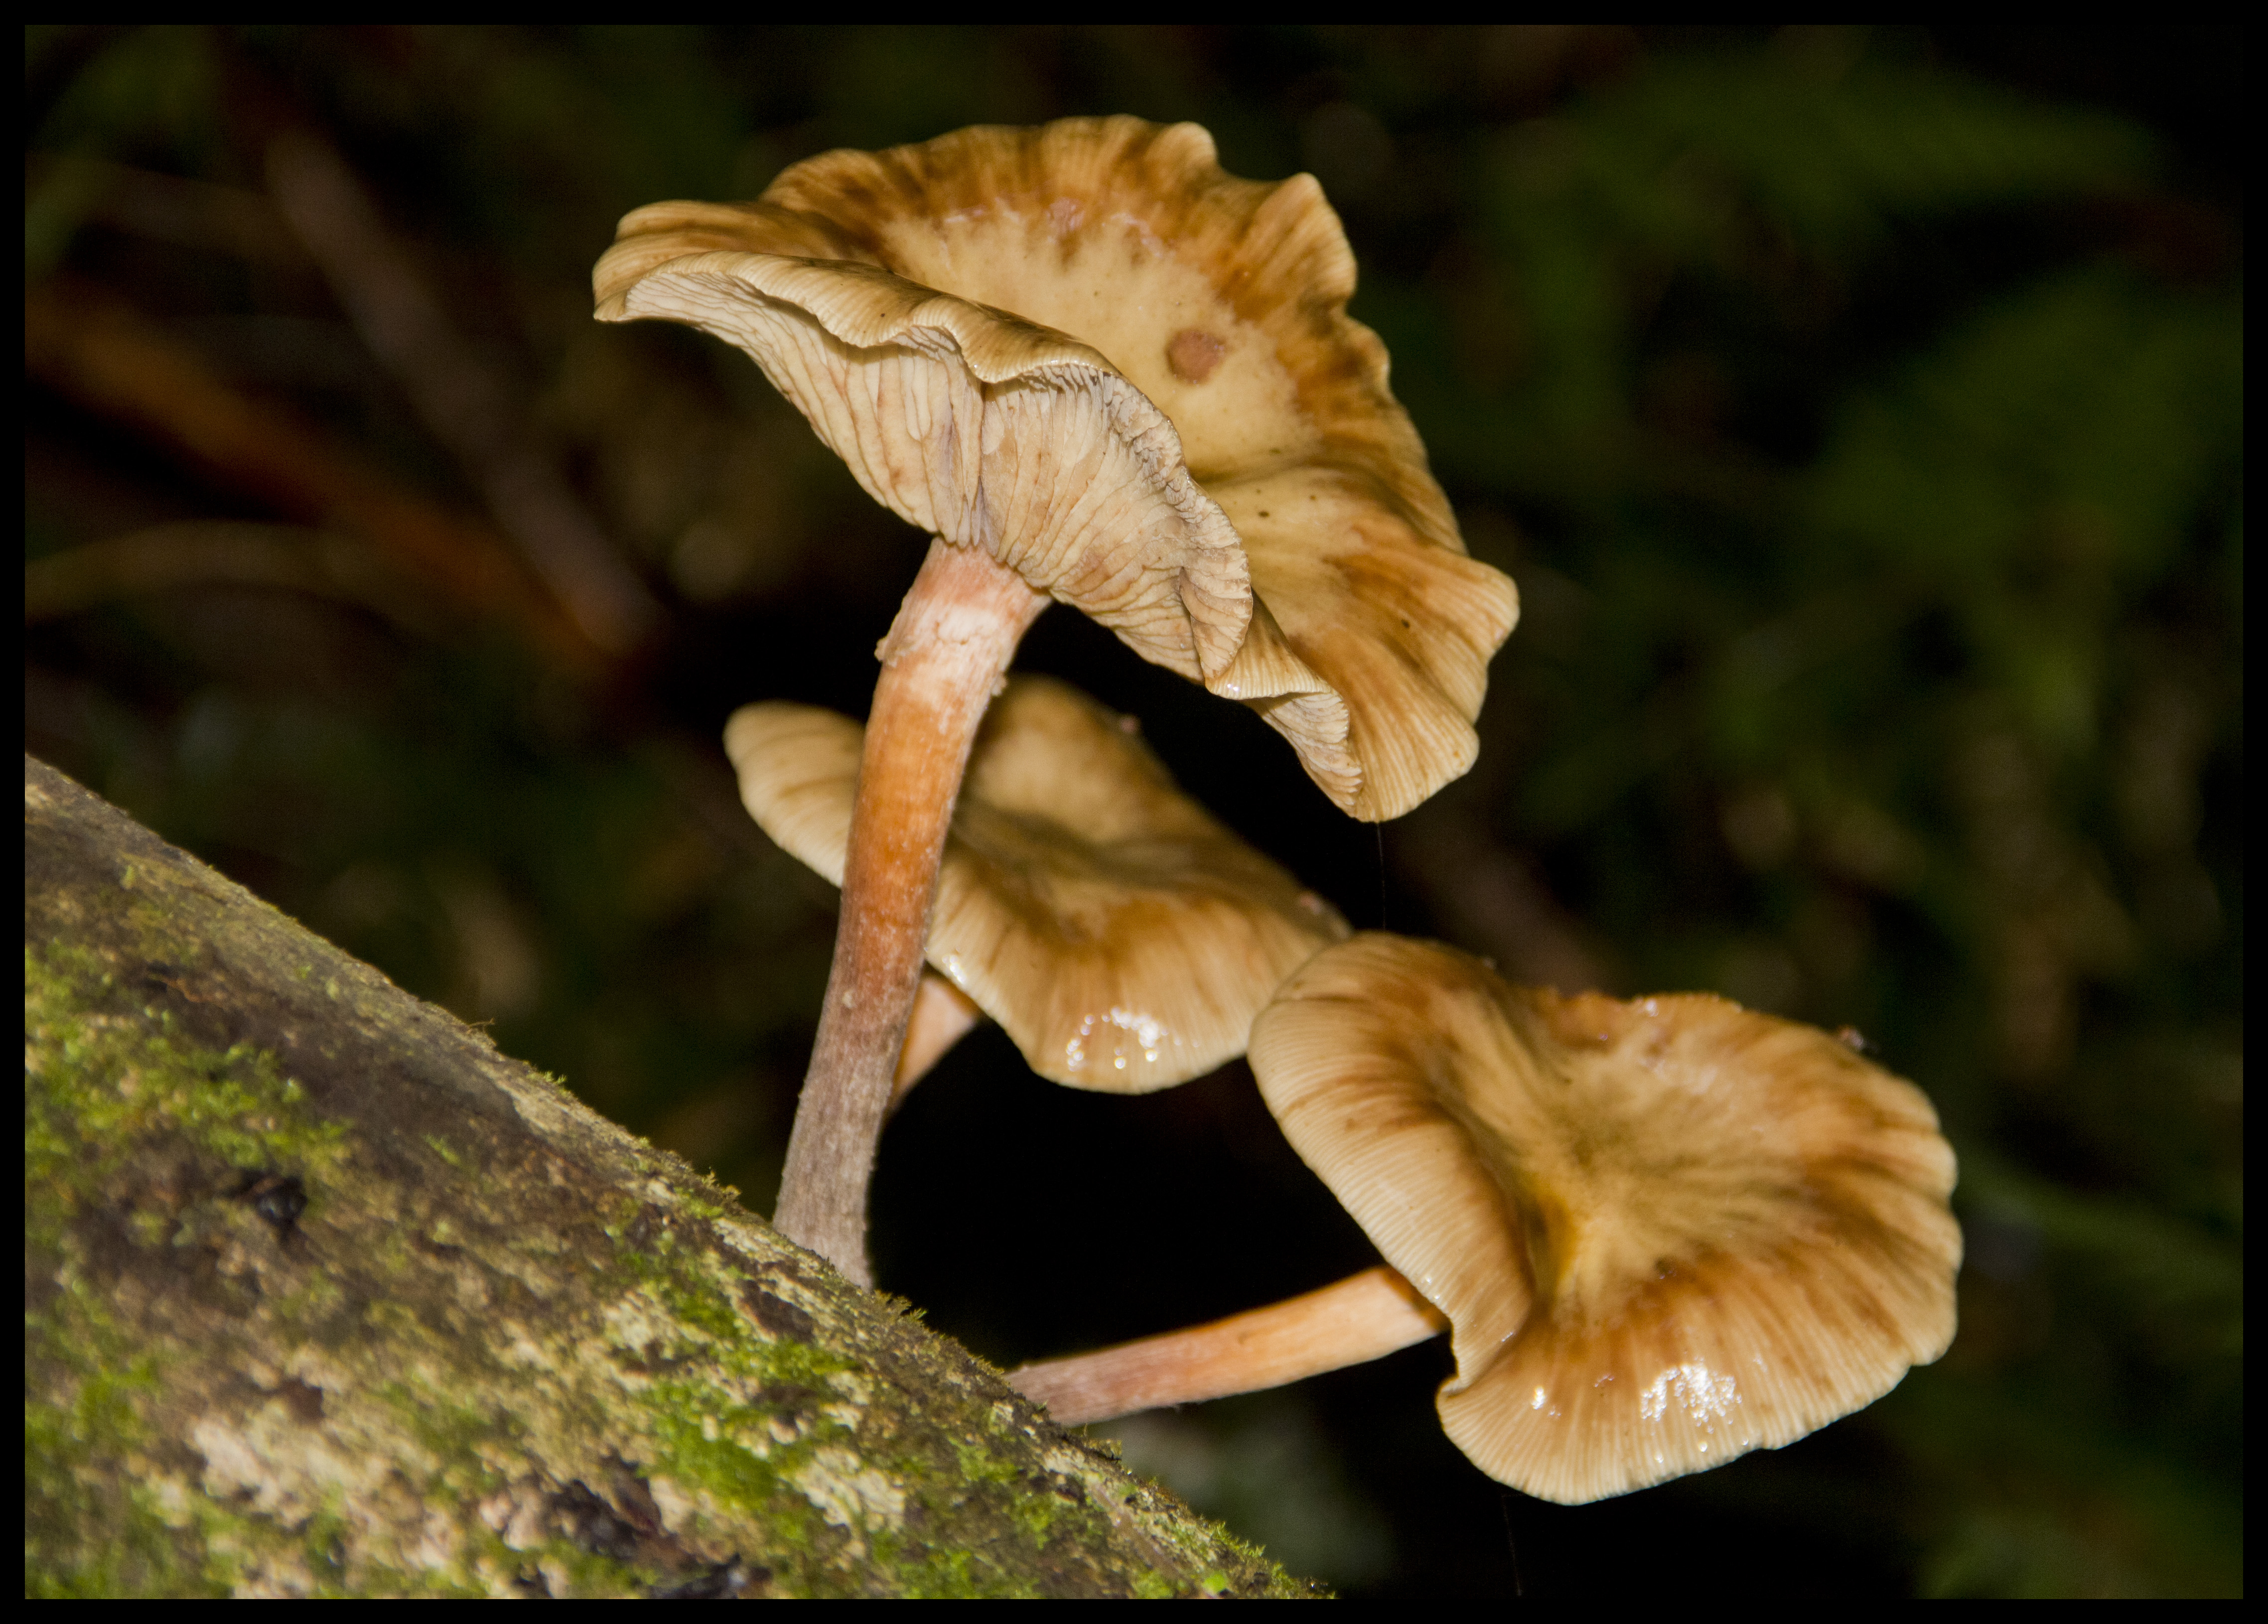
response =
{"points": [[172, 557], [466, 403], [67, 192], [96, 349]]}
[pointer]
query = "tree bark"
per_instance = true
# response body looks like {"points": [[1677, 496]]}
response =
{"points": [[324, 1294]]}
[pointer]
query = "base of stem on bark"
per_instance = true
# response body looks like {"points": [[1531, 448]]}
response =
{"points": [[944, 659]]}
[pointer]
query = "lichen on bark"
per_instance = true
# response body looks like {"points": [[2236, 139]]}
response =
{"points": [[325, 1295]]}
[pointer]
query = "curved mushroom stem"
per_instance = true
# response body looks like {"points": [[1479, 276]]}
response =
{"points": [[942, 1016], [1364, 1317], [944, 659]]}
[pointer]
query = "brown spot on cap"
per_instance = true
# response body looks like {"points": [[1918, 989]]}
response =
{"points": [[915, 257], [1193, 354]]}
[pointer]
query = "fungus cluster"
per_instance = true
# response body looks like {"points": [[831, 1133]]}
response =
{"points": [[1661, 1232], [1099, 370]]}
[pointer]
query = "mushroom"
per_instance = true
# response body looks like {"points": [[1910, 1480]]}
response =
{"points": [[1096, 369], [942, 1016], [1366, 1316], [1122, 935], [1665, 1231]]}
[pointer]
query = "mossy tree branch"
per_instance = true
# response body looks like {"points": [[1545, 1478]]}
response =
{"points": [[325, 1294]]}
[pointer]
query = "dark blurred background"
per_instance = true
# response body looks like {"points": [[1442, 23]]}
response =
{"points": [[1860, 413]]}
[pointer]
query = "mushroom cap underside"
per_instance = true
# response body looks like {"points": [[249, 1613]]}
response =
{"points": [[990, 432], [1134, 267], [1121, 935], [1666, 1231]]}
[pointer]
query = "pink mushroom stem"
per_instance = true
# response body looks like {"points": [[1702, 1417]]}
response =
{"points": [[942, 1016], [1356, 1320], [943, 660]]}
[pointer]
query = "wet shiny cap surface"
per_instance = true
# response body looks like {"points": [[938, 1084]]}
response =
{"points": [[1123, 936], [1666, 1231]]}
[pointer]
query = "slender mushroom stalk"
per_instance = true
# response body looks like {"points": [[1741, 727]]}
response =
{"points": [[1352, 1321], [945, 654]]}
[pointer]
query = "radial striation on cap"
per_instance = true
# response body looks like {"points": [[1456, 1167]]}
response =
{"points": [[1132, 377], [1666, 1231], [1121, 935]]}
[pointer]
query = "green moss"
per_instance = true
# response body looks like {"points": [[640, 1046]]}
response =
{"points": [[108, 1080], [683, 1280], [80, 1542], [102, 1082], [452, 1434], [706, 1211], [756, 1431], [711, 1437], [926, 1572], [101, 1419], [945, 1575], [322, 1542], [980, 1465]]}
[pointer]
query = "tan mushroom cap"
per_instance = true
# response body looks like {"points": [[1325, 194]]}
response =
{"points": [[1180, 369], [1665, 1231], [1121, 935]]}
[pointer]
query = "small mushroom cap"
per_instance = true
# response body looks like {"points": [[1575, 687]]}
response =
{"points": [[1121, 935], [1666, 1231], [1180, 369]]}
